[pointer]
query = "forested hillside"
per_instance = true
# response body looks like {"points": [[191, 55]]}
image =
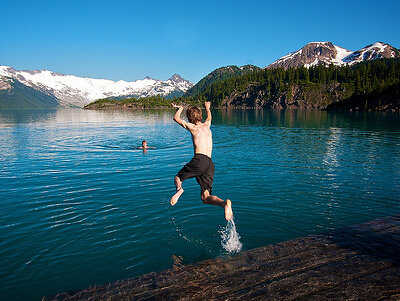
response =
{"points": [[218, 75], [317, 87]]}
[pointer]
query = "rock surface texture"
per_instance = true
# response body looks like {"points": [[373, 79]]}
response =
{"points": [[297, 97]]}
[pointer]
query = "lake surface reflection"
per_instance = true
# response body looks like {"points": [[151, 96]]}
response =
{"points": [[82, 206]]}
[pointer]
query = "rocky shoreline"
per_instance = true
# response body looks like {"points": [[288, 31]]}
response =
{"points": [[122, 106], [328, 97], [360, 262]]}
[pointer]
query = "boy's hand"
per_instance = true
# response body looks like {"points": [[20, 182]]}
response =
{"points": [[207, 105], [176, 106]]}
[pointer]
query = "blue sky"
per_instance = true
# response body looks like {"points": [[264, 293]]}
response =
{"points": [[129, 40]]}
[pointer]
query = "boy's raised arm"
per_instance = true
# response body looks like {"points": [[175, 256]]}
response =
{"points": [[207, 105], [177, 116]]}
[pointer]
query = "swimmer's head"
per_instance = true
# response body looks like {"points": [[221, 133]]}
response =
{"points": [[194, 115], [144, 143]]}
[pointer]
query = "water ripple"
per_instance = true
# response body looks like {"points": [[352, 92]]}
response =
{"points": [[82, 205]]}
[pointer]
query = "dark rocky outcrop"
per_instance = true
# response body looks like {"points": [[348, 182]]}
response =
{"points": [[309, 96], [355, 263], [387, 99]]}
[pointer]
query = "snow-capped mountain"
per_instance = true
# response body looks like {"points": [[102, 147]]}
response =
{"points": [[326, 53], [180, 83], [371, 52], [72, 90]]}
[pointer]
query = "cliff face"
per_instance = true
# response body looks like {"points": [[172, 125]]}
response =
{"points": [[386, 99], [299, 96]]}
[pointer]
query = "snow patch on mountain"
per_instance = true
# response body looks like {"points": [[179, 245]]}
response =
{"points": [[5, 83], [370, 52], [289, 56], [315, 62], [341, 53]]}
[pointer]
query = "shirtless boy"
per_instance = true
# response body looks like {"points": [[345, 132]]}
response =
{"points": [[201, 165]]}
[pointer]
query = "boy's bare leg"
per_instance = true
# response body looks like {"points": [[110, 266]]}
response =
{"points": [[228, 210], [214, 200], [179, 191]]}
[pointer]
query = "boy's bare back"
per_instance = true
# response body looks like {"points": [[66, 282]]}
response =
{"points": [[201, 133], [202, 138]]}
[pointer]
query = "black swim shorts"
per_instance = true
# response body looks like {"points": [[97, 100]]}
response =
{"points": [[200, 167]]}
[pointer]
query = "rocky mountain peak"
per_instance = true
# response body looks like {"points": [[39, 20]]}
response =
{"points": [[374, 51], [327, 53], [176, 77], [311, 54], [179, 82]]}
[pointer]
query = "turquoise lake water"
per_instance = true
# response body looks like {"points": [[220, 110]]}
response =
{"points": [[80, 205]]}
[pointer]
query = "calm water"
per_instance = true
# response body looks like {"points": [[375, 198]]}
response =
{"points": [[81, 206]]}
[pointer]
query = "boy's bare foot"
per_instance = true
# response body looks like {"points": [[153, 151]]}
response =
{"points": [[176, 196], [228, 210]]}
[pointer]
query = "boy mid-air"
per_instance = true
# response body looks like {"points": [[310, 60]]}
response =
{"points": [[201, 165]]}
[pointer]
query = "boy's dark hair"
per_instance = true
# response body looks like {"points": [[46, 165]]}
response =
{"points": [[194, 115]]}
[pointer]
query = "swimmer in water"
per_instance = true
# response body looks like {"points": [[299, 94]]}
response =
{"points": [[201, 166], [144, 146]]}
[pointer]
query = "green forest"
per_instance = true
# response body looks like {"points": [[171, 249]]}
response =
{"points": [[220, 74], [140, 103], [360, 80]]}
